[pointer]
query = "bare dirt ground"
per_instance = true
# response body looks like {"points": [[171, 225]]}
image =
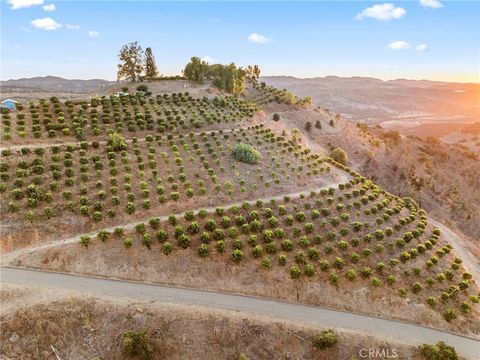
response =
{"points": [[85, 327]]}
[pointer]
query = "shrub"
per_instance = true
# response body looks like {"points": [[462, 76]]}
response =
{"points": [[246, 153], [257, 251], [203, 250], [137, 343], [183, 241], [167, 248], [237, 255], [295, 272], [339, 155], [438, 351], [351, 274], [85, 240], [276, 117], [266, 263], [309, 270], [449, 314], [128, 242], [117, 142], [326, 338]]}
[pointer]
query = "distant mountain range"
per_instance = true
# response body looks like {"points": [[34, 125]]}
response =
{"points": [[389, 102], [53, 84]]}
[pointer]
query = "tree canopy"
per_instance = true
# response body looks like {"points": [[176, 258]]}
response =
{"points": [[131, 62], [228, 77], [136, 64]]}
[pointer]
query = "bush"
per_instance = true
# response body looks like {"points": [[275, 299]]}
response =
{"points": [[295, 272], [128, 242], [142, 87], [203, 250], [137, 343], [237, 255], [327, 338], [276, 117], [246, 153], [449, 314], [339, 155], [438, 351], [85, 240], [117, 141]]}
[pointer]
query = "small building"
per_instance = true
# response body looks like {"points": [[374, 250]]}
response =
{"points": [[9, 104]]}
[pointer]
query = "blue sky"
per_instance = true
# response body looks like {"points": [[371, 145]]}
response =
{"points": [[425, 39]]}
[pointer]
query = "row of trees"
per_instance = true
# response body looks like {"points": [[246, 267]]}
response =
{"points": [[135, 63], [228, 77]]}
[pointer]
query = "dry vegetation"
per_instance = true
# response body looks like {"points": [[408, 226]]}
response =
{"points": [[147, 191], [87, 328]]}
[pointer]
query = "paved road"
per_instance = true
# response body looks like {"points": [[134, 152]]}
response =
{"points": [[401, 331]]}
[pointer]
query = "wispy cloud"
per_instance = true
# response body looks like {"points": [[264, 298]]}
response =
{"points": [[399, 45], [21, 4], [421, 47], [49, 7], [209, 59], [258, 39], [23, 28], [72, 27], [434, 4], [93, 34], [46, 24], [382, 12]]}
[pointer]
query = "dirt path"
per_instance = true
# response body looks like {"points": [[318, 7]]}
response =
{"points": [[7, 258], [312, 315], [471, 262], [77, 143]]}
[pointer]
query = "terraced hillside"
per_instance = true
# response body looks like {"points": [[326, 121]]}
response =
{"points": [[240, 204], [53, 121]]}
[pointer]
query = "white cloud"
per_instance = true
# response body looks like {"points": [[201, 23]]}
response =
{"points": [[383, 12], [421, 47], [93, 34], [257, 38], [434, 4], [74, 27], [20, 4], [46, 24], [399, 45], [209, 59], [49, 7]]}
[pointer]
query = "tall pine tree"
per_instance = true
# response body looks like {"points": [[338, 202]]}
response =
{"points": [[151, 71]]}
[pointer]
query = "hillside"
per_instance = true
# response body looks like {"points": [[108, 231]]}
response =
{"points": [[53, 84], [400, 105], [192, 187]]}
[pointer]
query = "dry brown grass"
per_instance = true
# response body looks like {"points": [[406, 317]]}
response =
{"points": [[85, 328]]}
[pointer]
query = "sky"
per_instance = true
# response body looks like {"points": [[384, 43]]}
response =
{"points": [[421, 39]]}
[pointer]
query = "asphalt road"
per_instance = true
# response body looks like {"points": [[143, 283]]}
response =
{"points": [[396, 330]]}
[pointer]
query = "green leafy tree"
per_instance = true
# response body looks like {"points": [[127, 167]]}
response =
{"points": [[196, 70], [131, 62]]}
